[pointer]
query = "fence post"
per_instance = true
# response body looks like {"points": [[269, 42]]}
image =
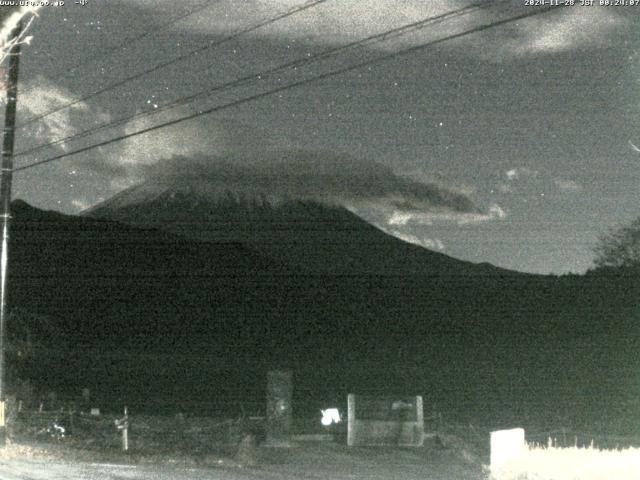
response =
{"points": [[125, 431], [351, 419], [3, 424], [123, 425]]}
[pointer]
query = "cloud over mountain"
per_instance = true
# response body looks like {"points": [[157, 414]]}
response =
{"points": [[222, 155], [281, 175]]}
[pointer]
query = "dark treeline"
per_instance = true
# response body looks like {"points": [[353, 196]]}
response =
{"points": [[149, 316]]}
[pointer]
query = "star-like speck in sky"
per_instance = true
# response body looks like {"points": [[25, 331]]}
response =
{"points": [[535, 122]]}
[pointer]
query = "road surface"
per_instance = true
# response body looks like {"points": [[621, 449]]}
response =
{"points": [[46, 470], [317, 462], [310, 461]]}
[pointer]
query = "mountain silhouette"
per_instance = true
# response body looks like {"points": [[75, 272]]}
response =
{"points": [[306, 235], [152, 312]]}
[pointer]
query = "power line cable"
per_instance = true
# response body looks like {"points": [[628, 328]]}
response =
{"points": [[253, 77], [212, 44], [128, 41], [258, 96], [388, 34]]}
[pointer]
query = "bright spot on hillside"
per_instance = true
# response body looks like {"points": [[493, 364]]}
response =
{"points": [[330, 416]]}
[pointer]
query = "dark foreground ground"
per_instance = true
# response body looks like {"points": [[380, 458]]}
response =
{"points": [[305, 460]]}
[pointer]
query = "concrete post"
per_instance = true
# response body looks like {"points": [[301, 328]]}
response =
{"points": [[351, 419], [279, 393]]}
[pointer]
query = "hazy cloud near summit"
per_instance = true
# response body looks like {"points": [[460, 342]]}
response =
{"points": [[280, 175], [221, 154]]}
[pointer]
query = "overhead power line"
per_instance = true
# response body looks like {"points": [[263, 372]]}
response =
{"points": [[254, 77], [212, 44], [407, 28], [283, 88], [129, 41]]}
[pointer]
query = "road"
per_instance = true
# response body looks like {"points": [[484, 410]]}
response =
{"points": [[41, 470], [308, 462], [47, 470]]}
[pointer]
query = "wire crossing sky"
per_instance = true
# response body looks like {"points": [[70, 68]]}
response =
{"points": [[257, 77], [180, 58], [281, 89], [530, 119], [132, 40]]}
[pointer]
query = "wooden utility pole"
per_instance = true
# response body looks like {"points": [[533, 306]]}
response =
{"points": [[6, 177]]}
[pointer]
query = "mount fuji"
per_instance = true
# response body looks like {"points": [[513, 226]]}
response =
{"points": [[299, 216], [242, 268]]}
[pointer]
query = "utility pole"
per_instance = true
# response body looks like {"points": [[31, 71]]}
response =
{"points": [[6, 177]]}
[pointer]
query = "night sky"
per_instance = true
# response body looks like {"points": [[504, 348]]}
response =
{"points": [[530, 129]]}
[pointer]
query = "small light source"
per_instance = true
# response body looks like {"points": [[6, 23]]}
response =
{"points": [[330, 416]]}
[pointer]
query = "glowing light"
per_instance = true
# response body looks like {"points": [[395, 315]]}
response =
{"points": [[506, 446], [330, 416]]}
